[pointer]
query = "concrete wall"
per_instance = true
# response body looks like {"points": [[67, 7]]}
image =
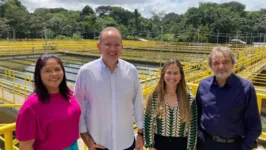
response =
{"points": [[8, 115]]}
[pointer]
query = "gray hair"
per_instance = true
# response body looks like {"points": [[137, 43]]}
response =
{"points": [[225, 51], [109, 29]]}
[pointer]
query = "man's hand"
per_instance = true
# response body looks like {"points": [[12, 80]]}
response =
{"points": [[139, 142], [88, 140], [93, 146]]}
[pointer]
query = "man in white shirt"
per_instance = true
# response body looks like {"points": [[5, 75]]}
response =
{"points": [[109, 93]]}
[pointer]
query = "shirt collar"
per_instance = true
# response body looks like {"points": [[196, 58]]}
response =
{"points": [[105, 68], [229, 82]]}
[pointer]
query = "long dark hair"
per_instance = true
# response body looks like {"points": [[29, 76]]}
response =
{"points": [[39, 87]]}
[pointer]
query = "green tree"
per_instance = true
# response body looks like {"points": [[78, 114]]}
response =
{"points": [[16, 15], [103, 11], [87, 10], [120, 15]]}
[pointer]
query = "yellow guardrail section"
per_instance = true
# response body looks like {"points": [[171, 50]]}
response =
{"points": [[77, 45], [39, 46], [7, 130], [12, 74], [251, 61], [15, 89], [145, 77]]}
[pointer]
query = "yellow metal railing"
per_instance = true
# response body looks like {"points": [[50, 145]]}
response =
{"points": [[14, 89], [8, 129], [195, 64], [145, 77]]}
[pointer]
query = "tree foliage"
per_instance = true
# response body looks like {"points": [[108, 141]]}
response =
{"points": [[205, 23]]}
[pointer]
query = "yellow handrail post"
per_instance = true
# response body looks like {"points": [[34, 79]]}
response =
{"points": [[145, 81], [9, 73], [30, 78], [13, 92], [8, 140], [259, 100], [19, 89], [2, 87], [25, 95], [153, 77]]}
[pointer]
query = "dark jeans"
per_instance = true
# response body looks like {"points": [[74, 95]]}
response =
{"points": [[132, 147], [170, 143], [206, 143]]}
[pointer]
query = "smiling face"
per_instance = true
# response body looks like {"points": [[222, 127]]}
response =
{"points": [[222, 65], [52, 75], [110, 46], [172, 76]]}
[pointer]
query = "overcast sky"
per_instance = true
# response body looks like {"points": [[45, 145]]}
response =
{"points": [[144, 6]]}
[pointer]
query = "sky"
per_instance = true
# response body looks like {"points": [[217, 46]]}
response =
{"points": [[145, 7]]}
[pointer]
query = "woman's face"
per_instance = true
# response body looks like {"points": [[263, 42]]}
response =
{"points": [[172, 76], [52, 75]]}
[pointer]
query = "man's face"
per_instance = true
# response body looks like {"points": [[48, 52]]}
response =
{"points": [[222, 65], [110, 46]]}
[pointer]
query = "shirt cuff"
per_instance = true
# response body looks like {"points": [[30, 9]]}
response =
{"points": [[140, 125], [83, 129]]}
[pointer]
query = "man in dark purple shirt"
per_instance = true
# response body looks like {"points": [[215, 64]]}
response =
{"points": [[228, 112]]}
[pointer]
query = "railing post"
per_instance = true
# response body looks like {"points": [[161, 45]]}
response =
{"points": [[13, 92], [8, 140], [30, 78], [145, 83], [9, 73], [157, 76], [2, 87], [25, 95], [259, 100], [19, 89]]}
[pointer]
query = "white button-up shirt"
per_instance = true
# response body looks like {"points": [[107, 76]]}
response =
{"points": [[108, 102]]}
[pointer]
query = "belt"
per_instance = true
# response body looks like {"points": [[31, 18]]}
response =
{"points": [[226, 140], [223, 140]]}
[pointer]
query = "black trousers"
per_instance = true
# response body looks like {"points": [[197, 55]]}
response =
{"points": [[170, 143], [132, 147], [206, 143]]}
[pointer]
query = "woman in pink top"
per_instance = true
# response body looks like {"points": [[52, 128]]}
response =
{"points": [[49, 118]]}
